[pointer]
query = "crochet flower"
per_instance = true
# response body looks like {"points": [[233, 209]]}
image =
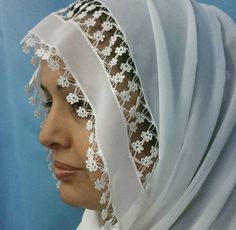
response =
{"points": [[89, 125], [100, 184], [147, 136], [72, 98], [125, 96], [99, 36], [107, 25], [126, 67], [107, 51], [63, 81], [91, 165], [82, 112], [146, 161], [69, 14], [91, 138], [113, 40], [154, 151], [97, 14], [104, 214], [91, 7], [81, 15], [120, 50], [137, 146], [90, 22], [103, 199], [140, 117], [53, 64], [113, 61], [32, 100], [118, 78], [132, 86], [133, 127], [90, 153]]}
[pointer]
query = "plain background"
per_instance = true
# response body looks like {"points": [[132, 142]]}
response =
{"points": [[28, 195]]}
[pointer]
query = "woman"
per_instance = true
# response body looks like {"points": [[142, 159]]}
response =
{"points": [[140, 112]]}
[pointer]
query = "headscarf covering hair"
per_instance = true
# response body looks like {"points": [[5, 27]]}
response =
{"points": [[160, 76]]}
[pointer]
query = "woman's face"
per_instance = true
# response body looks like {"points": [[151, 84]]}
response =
{"points": [[66, 135]]}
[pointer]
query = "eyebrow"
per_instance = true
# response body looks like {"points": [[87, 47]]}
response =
{"points": [[45, 89]]}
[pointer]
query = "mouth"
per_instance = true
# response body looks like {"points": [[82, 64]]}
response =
{"points": [[64, 171]]}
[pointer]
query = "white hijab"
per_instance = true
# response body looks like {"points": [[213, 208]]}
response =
{"points": [[185, 58]]}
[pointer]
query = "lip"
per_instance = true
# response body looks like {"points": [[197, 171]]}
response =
{"points": [[64, 171]]}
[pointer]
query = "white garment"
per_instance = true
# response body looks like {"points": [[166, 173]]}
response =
{"points": [[185, 55]]}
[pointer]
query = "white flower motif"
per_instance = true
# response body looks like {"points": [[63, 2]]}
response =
{"points": [[69, 14], [90, 22], [125, 96], [99, 152], [132, 111], [30, 41], [28, 88], [53, 64], [107, 51], [113, 40], [26, 49], [108, 225], [103, 199], [91, 165], [97, 14], [100, 184], [99, 36], [104, 214], [46, 55], [133, 127], [39, 52], [91, 138], [146, 161], [82, 112], [137, 146], [132, 86], [107, 25], [33, 61], [90, 153], [140, 118], [91, 7], [72, 98], [89, 125], [154, 151], [113, 61], [81, 15], [63, 81], [78, 4], [147, 136], [120, 50], [126, 67], [37, 113], [118, 78], [32, 100]]}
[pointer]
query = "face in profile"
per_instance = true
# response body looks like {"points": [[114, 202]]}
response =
{"points": [[66, 135]]}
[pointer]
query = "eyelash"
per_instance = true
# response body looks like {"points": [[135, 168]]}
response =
{"points": [[75, 106]]}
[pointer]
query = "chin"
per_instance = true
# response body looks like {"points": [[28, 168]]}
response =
{"points": [[78, 197]]}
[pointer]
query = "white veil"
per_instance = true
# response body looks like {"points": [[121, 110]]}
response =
{"points": [[185, 54]]}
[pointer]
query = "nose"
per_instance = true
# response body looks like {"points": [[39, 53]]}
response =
{"points": [[54, 133]]}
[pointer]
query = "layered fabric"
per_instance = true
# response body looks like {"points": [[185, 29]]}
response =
{"points": [[156, 80]]}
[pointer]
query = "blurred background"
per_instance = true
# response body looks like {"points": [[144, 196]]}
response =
{"points": [[28, 196]]}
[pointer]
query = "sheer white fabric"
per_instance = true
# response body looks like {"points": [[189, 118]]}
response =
{"points": [[185, 55]]}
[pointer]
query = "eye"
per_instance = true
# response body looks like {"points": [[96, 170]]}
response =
{"points": [[47, 105]]}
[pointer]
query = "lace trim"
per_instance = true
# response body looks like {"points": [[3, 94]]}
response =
{"points": [[110, 44], [94, 154]]}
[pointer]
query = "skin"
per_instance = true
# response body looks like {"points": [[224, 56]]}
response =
{"points": [[66, 135]]}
